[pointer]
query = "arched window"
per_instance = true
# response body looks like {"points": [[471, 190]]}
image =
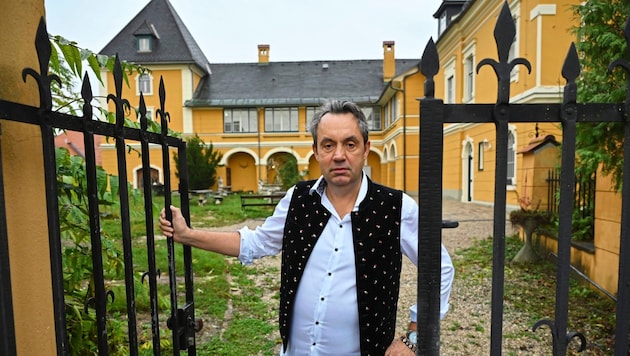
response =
{"points": [[145, 84]]}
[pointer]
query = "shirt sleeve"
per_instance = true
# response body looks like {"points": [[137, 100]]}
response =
{"points": [[266, 239], [409, 246]]}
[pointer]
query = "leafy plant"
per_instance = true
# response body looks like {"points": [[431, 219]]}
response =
{"points": [[289, 171], [73, 57], [202, 163], [78, 273], [601, 33]]}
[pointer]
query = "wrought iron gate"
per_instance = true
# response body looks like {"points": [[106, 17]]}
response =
{"points": [[182, 319], [435, 114]]}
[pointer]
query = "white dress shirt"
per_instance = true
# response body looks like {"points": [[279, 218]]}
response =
{"points": [[325, 319]]}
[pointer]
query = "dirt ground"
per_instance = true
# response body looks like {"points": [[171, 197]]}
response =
{"points": [[466, 328]]}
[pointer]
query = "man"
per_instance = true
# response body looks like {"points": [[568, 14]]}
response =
{"points": [[342, 238]]}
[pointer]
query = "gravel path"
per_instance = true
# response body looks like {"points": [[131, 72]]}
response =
{"points": [[466, 328]]}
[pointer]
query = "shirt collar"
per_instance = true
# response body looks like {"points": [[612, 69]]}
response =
{"points": [[320, 187]]}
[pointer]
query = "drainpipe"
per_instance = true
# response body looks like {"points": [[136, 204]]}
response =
{"points": [[404, 130], [259, 162]]}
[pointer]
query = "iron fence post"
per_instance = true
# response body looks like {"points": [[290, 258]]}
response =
{"points": [[430, 215]]}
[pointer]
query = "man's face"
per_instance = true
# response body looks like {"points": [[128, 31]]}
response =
{"points": [[340, 150]]}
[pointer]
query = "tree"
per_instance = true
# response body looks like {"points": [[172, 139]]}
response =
{"points": [[289, 171], [601, 41], [202, 163]]}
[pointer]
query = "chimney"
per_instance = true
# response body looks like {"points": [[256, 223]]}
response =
{"points": [[263, 54], [389, 61]]}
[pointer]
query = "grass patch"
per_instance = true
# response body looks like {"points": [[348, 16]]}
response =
{"points": [[238, 304], [530, 289]]}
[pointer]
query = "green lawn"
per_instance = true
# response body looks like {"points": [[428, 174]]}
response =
{"points": [[239, 321]]}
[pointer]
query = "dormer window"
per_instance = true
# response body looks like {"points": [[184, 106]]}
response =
{"points": [[442, 23], [448, 11], [144, 43], [146, 38]]}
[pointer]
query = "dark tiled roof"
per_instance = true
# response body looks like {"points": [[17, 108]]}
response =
{"points": [[294, 83], [174, 43]]}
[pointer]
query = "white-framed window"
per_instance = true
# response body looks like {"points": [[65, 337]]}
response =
{"points": [[449, 82], [373, 117], [394, 102], [145, 84], [310, 113], [442, 23], [511, 158], [469, 72], [480, 156], [281, 119], [240, 120], [144, 44], [515, 9], [151, 113]]}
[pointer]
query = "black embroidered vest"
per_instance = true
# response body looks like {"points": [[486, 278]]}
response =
{"points": [[378, 259]]}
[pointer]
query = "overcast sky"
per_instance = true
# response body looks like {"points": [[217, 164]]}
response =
{"points": [[297, 30]]}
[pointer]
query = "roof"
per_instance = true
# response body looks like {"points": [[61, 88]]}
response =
{"points": [[294, 83], [451, 4], [173, 43], [538, 143]]}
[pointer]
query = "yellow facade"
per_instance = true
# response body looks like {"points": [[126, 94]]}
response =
{"points": [[543, 37], [247, 157], [23, 178]]}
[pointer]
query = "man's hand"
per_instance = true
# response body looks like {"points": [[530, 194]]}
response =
{"points": [[398, 348], [178, 229]]}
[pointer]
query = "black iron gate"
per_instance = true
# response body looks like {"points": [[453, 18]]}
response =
{"points": [[181, 319], [435, 114]]}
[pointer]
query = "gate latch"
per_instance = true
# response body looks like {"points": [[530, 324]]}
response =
{"points": [[187, 326]]}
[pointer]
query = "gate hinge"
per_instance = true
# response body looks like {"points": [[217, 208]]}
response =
{"points": [[187, 326]]}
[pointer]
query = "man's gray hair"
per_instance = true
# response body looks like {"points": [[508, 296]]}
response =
{"points": [[340, 107]]}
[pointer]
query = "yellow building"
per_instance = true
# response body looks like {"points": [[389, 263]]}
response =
{"points": [[543, 37], [466, 37], [255, 113]]}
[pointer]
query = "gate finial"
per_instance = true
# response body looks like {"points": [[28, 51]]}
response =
{"points": [[504, 34], [429, 66], [142, 117], [570, 71], [120, 103], [44, 50], [86, 94], [165, 117]]}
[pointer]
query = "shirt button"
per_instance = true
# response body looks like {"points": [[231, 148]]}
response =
{"points": [[330, 274], [340, 226], [322, 299], [317, 323]]}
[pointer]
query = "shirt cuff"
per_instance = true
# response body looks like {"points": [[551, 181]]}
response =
{"points": [[246, 254], [413, 312]]}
